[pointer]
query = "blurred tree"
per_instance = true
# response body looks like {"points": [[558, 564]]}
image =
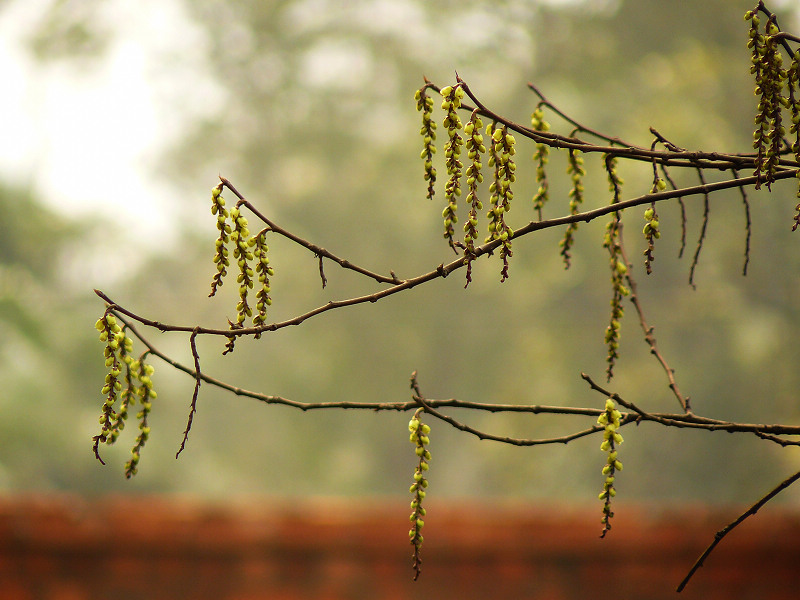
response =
{"points": [[318, 107]]}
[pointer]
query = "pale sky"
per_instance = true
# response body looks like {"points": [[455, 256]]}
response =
{"points": [[85, 134]]}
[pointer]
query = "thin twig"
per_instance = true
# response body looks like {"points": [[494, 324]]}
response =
{"points": [[728, 528], [316, 250], [700, 240], [322, 272], [578, 126], [690, 420], [682, 206], [444, 270], [748, 225], [649, 337], [198, 377]]}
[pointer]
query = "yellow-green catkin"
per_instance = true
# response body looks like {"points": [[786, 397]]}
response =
{"points": [[146, 394], [770, 78], [793, 84], [127, 382], [651, 230], [451, 102], [576, 172], [418, 437], [501, 158], [240, 236], [540, 159], [609, 419], [428, 133], [619, 269], [475, 148], [221, 253], [265, 272]]}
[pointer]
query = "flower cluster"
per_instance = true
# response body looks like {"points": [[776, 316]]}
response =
{"points": [[475, 148], [451, 102], [240, 236], [609, 419], [246, 249], [541, 158], [501, 152], [127, 381], [793, 80], [428, 133], [576, 171], [146, 395], [770, 77], [263, 299], [419, 437], [651, 233], [613, 243], [221, 254], [500, 157]]}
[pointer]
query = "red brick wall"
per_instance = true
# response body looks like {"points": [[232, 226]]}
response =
{"points": [[65, 548]]}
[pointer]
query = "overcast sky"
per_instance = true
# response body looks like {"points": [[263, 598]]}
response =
{"points": [[85, 134]]}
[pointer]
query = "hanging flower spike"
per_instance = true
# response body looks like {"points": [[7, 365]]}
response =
{"points": [[139, 387], [612, 242], [540, 158], [610, 420], [419, 437], [770, 77], [128, 393], [475, 148], [451, 102], [793, 83], [110, 333], [263, 299], [146, 395], [651, 231], [428, 133], [575, 169], [221, 253], [500, 158], [240, 236]]}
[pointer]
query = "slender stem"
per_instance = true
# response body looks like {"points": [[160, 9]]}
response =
{"points": [[444, 270], [731, 526]]}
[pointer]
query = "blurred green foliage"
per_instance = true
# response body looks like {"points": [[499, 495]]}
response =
{"points": [[319, 130]]}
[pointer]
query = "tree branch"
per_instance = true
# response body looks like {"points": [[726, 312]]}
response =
{"points": [[731, 526]]}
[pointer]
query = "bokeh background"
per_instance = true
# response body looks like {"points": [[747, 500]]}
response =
{"points": [[119, 116]]}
